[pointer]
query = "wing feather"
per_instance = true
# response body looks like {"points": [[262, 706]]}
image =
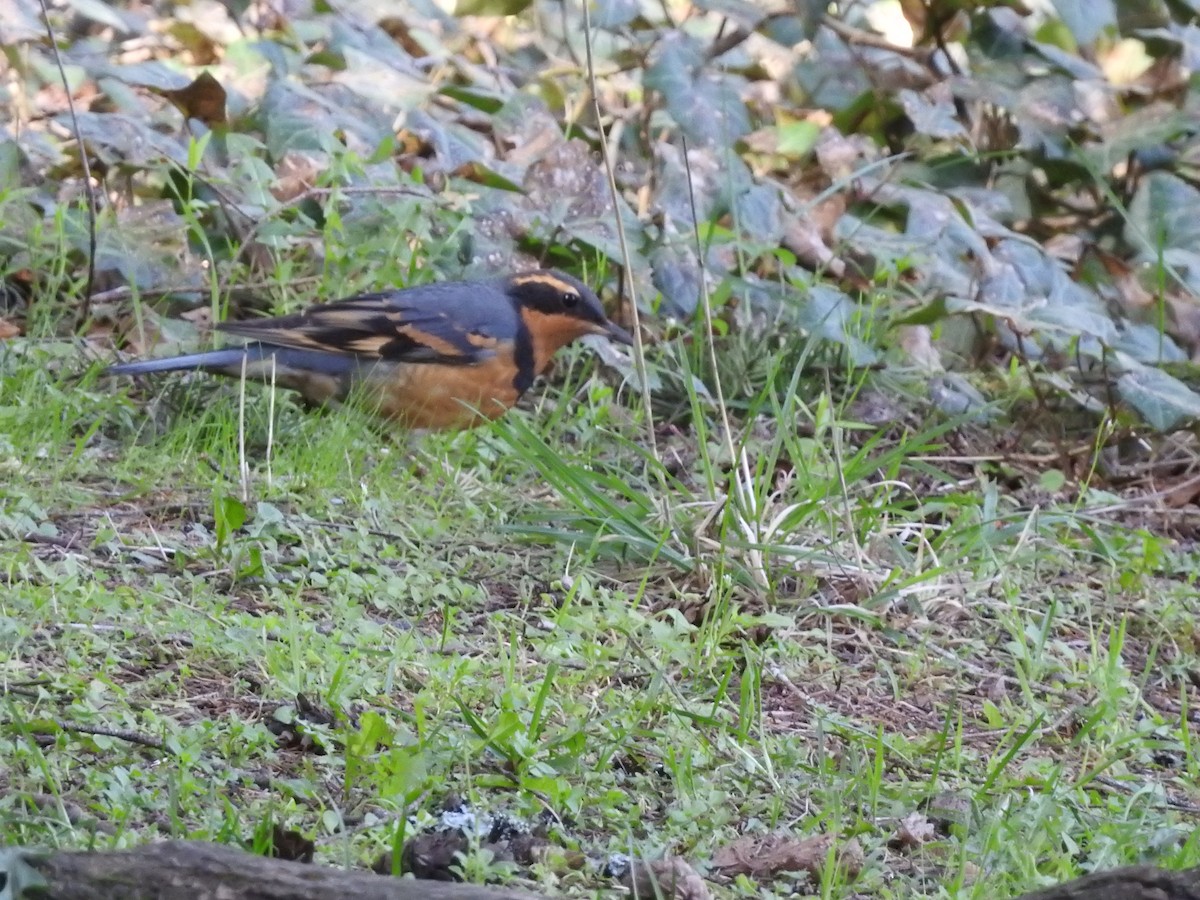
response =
{"points": [[455, 323]]}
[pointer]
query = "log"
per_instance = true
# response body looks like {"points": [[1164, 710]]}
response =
{"points": [[1129, 883], [194, 870]]}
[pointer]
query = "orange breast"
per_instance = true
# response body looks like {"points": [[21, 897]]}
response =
{"points": [[430, 395]]}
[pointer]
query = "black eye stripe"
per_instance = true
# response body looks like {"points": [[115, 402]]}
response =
{"points": [[569, 299]]}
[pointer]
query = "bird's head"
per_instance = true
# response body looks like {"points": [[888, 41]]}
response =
{"points": [[557, 309]]}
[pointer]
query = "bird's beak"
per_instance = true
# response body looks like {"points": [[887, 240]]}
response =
{"points": [[617, 334]]}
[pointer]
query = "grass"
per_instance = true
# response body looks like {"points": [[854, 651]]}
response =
{"points": [[839, 629]]}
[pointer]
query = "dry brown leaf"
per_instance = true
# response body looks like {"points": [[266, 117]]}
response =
{"points": [[1167, 75], [994, 688], [1185, 321], [200, 316], [841, 156], [914, 831], [8, 329], [534, 147], [295, 174], [203, 99], [916, 341], [763, 140], [1133, 295], [1183, 494], [671, 878], [1067, 247], [803, 237], [765, 856], [826, 214]]}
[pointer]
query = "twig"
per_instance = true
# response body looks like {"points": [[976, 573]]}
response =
{"points": [[14, 690], [50, 540], [778, 674], [348, 526], [1147, 499], [120, 734], [723, 43], [857, 36], [1138, 787]]}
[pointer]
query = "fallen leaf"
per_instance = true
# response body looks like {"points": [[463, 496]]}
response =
{"points": [[803, 237], [1185, 493], [200, 316], [671, 878], [765, 856], [203, 99], [914, 831], [916, 342], [295, 174]]}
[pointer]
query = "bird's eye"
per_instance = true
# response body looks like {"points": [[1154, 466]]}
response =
{"points": [[569, 299]]}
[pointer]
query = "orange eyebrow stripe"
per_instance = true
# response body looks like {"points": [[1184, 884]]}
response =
{"points": [[556, 283]]}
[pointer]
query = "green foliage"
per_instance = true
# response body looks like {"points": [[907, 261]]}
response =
{"points": [[865, 573]]}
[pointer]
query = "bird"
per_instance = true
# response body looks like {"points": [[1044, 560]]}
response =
{"points": [[440, 356]]}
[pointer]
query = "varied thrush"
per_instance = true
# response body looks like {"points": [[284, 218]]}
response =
{"points": [[443, 355]]}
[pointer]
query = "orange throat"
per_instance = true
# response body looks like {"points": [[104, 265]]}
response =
{"points": [[550, 333]]}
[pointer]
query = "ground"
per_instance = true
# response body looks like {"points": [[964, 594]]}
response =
{"points": [[976, 688]]}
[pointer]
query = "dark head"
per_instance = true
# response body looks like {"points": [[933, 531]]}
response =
{"points": [[557, 309]]}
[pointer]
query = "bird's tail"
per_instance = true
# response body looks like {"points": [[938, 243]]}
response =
{"points": [[315, 373], [225, 362]]}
